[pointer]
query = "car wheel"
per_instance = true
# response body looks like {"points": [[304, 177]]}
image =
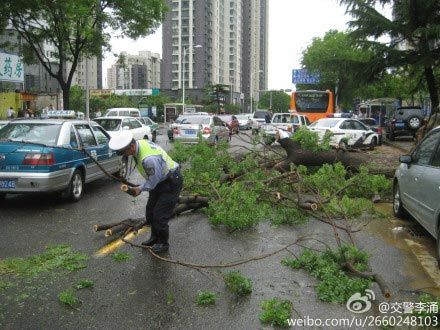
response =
{"points": [[398, 208], [75, 190], [154, 136], [373, 143], [146, 137], [342, 145], [414, 123]]}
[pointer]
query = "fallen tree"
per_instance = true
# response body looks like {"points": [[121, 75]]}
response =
{"points": [[237, 192]]}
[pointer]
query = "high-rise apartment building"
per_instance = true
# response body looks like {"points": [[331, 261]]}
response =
{"points": [[88, 73], [135, 71], [215, 42]]}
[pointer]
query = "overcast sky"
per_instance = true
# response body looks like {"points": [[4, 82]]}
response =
{"points": [[292, 26]]}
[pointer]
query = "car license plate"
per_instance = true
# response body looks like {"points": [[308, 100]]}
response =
{"points": [[7, 184], [400, 125], [190, 132]]}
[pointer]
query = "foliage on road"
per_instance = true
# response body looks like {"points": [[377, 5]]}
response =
{"points": [[206, 298], [276, 312], [237, 283], [251, 195], [83, 284], [69, 299], [121, 256], [55, 257], [335, 285], [310, 140]]}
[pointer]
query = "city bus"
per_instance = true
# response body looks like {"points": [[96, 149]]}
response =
{"points": [[314, 104]]}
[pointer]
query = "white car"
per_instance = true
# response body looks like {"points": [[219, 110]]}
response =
{"points": [[283, 121], [245, 120], [346, 132], [3, 123], [117, 124]]}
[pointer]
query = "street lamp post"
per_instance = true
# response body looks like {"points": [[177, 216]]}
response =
{"points": [[250, 85], [183, 73]]}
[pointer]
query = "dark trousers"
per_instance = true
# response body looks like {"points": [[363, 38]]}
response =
{"points": [[161, 203]]}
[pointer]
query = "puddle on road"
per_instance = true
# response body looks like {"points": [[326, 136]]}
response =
{"points": [[407, 235]]}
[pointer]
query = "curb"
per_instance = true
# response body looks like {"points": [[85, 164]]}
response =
{"points": [[394, 145]]}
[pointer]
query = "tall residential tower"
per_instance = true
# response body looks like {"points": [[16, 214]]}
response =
{"points": [[224, 42]]}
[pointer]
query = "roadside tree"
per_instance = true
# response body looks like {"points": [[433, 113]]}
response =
{"points": [[415, 40], [77, 29]]}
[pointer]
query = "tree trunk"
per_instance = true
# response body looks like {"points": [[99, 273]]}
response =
{"points": [[350, 160], [66, 97], [432, 88]]}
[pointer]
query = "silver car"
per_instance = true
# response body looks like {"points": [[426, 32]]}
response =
{"points": [[417, 185], [212, 129]]}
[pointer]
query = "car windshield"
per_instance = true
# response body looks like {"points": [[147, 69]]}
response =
{"points": [[325, 123], [2, 125], [31, 132], [260, 114], [197, 120], [110, 125], [368, 121], [181, 119]]}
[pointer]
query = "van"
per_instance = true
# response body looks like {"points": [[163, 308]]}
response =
{"points": [[126, 112]]}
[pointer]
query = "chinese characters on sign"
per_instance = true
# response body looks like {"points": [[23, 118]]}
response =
{"points": [[301, 76], [11, 68]]}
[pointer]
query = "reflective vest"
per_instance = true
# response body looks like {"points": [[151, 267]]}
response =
{"points": [[145, 149]]}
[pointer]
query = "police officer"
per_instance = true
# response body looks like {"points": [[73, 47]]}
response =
{"points": [[163, 181]]}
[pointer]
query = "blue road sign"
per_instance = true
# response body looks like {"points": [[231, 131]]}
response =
{"points": [[301, 76]]}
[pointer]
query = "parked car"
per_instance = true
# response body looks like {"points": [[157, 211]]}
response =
{"points": [[244, 121], [154, 127], [126, 112], [258, 119], [371, 123], [180, 119], [404, 121], [282, 121], [3, 123], [417, 185], [232, 122], [213, 129], [43, 156], [347, 133], [117, 124]]}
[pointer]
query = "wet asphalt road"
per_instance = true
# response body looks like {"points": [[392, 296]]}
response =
{"points": [[145, 293]]}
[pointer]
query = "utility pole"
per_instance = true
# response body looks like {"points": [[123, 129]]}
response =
{"points": [[87, 91]]}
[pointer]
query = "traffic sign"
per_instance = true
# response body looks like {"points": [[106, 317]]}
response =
{"points": [[301, 76]]}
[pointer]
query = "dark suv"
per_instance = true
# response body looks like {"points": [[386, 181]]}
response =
{"points": [[404, 121]]}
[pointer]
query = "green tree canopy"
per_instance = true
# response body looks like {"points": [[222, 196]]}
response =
{"points": [[339, 62], [77, 29], [413, 33], [280, 101]]}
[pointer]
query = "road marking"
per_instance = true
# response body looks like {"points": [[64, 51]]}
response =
{"points": [[426, 260], [116, 244]]}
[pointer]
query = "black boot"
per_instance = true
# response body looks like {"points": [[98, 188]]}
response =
{"points": [[151, 241], [160, 247]]}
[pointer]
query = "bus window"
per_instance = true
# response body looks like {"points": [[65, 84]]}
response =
{"points": [[314, 104]]}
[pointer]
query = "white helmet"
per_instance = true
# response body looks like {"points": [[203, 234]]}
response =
{"points": [[120, 140]]}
